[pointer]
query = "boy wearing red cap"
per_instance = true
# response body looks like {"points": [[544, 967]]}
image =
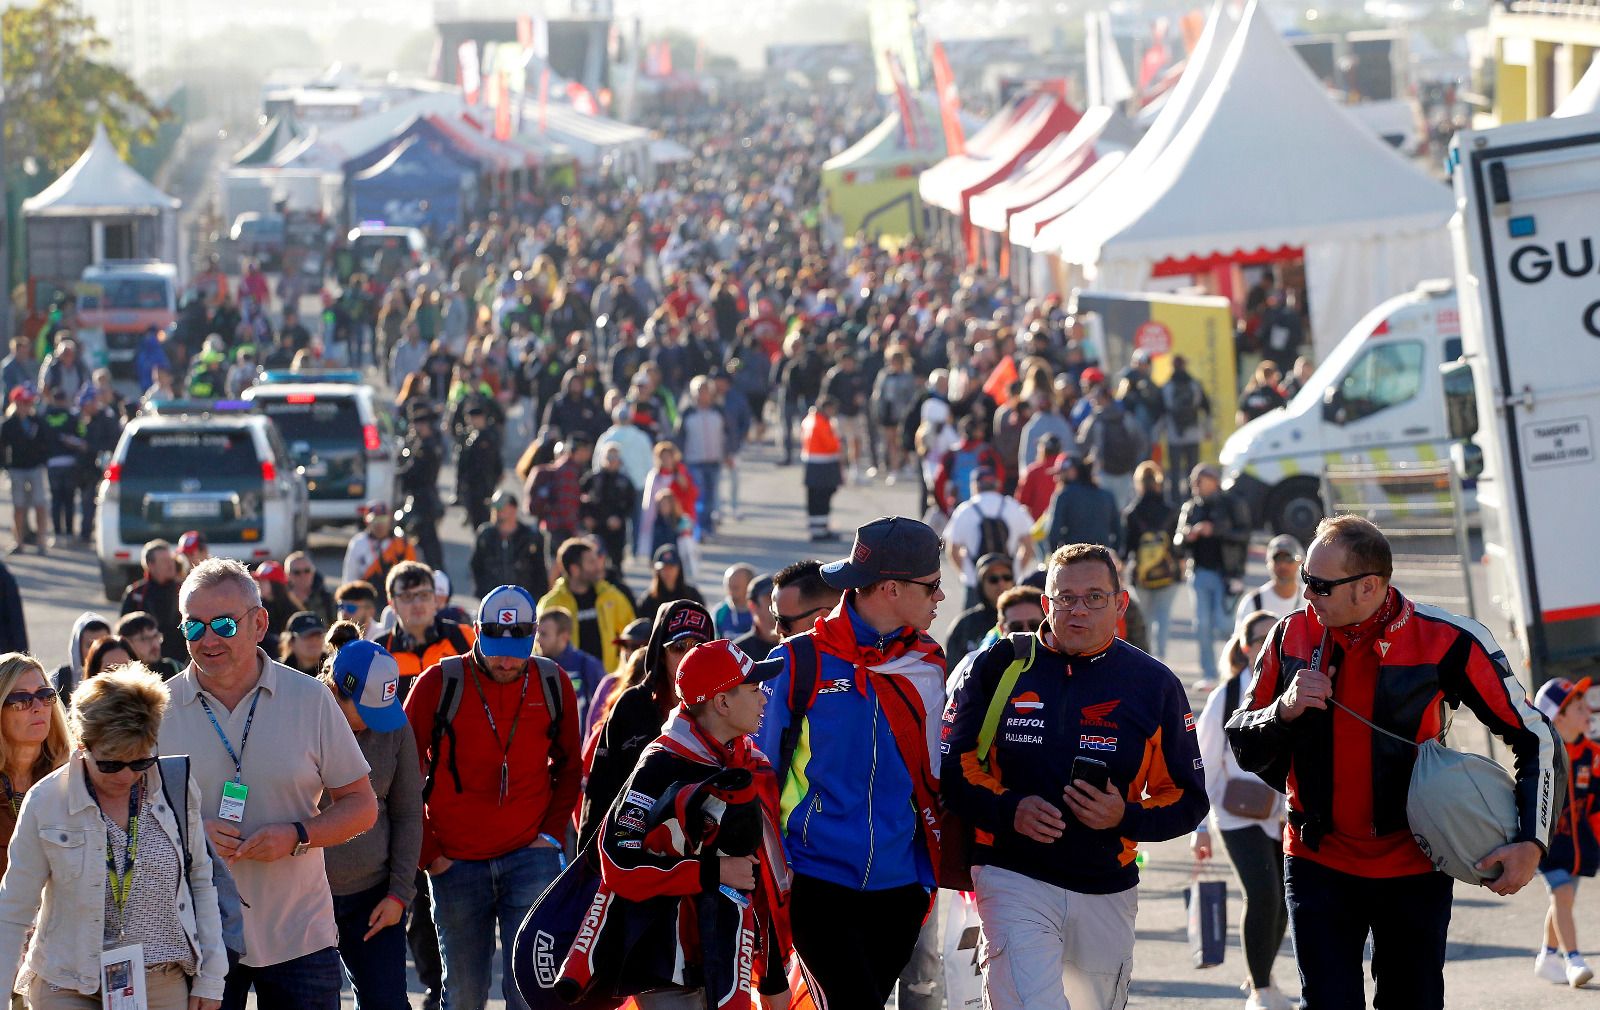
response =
{"points": [[1574, 847], [691, 854]]}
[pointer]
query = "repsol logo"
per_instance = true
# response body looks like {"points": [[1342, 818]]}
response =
{"points": [[1034, 723]]}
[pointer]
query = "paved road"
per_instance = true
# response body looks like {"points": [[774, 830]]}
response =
{"points": [[1491, 938]]}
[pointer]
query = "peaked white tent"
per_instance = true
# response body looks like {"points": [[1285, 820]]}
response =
{"points": [[1266, 163], [99, 183], [1584, 98]]}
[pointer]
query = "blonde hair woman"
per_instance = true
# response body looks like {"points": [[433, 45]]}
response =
{"points": [[109, 798], [33, 734]]}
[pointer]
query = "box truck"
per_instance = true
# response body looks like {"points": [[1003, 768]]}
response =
{"points": [[1527, 247]]}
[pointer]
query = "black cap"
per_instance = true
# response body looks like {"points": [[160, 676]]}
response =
{"points": [[636, 633], [760, 587], [304, 622], [893, 547], [502, 497]]}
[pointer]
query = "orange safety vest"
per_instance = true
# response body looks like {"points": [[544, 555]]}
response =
{"points": [[457, 641], [818, 443]]}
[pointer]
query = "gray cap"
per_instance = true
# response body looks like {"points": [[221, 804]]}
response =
{"points": [[1283, 543]]}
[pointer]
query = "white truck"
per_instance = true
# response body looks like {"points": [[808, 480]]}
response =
{"points": [[1527, 246], [1377, 399]]}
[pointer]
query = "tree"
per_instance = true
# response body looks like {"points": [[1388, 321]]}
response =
{"points": [[58, 87]]}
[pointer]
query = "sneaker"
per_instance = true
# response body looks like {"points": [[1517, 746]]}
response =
{"points": [[1268, 998], [890, 479], [1578, 972], [872, 473], [1549, 967], [17, 549]]}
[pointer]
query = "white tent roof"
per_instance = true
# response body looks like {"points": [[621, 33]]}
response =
{"points": [[1102, 129], [1584, 97], [326, 149], [1122, 185], [1265, 161], [99, 183]]}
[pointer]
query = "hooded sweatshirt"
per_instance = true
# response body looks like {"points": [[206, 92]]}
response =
{"points": [[70, 674]]}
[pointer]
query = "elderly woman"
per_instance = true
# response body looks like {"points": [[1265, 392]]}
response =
{"points": [[373, 875], [109, 798], [33, 734]]}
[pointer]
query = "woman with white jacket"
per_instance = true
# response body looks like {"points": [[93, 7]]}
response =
{"points": [[1254, 844], [98, 860]]}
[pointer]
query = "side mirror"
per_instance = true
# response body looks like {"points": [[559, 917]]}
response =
{"points": [[1460, 401], [1467, 458], [1333, 410]]}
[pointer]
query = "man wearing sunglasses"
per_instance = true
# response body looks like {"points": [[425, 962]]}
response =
{"points": [[996, 575], [1054, 869], [266, 743], [1359, 654], [502, 780], [860, 838]]}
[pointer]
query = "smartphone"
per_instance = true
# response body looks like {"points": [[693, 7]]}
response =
{"points": [[1090, 770]]}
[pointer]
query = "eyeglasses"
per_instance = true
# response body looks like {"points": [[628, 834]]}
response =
{"points": [[415, 596], [786, 622], [153, 635], [506, 630], [1325, 587], [681, 646], [1029, 626], [1094, 600], [21, 701], [137, 765], [931, 587], [997, 579], [302, 571], [225, 627]]}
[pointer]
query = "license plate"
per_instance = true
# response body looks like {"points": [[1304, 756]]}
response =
{"points": [[316, 469], [194, 509]]}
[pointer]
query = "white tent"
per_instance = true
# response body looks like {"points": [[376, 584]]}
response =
{"points": [[1265, 163], [99, 207], [99, 183], [1585, 95]]}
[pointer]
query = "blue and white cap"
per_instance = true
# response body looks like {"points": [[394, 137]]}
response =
{"points": [[507, 623], [365, 673]]}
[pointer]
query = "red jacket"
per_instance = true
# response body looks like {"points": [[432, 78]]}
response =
{"points": [[545, 773], [1038, 484]]}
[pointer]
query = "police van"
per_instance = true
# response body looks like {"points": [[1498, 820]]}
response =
{"points": [[213, 466], [337, 434], [1378, 398]]}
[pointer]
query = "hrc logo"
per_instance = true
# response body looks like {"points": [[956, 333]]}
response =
{"points": [[1101, 743]]}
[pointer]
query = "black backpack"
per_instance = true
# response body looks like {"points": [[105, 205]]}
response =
{"points": [[1184, 393], [802, 690], [454, 671], [994, 533]]}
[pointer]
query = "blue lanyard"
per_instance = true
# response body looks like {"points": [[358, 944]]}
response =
{"points": [[244, 739]]}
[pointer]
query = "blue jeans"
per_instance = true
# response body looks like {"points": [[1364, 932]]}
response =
{"points": [[308, 982], [1331, 914], [376, 967], [707, 476], [468, 900], [1212, 620], [1157, 605]]}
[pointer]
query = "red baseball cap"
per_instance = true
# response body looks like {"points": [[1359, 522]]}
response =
{"points": [[272, 571], [714, 667], [1093, 375], [23, 394], [191, 542]]}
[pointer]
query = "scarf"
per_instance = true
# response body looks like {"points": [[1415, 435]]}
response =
{"points": [[908, 675]]}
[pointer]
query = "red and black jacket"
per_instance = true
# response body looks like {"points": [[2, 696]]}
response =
{"points": [[1575, 846], [1347, 785]]}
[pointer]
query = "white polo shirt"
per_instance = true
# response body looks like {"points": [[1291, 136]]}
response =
{"points": [[299, 745]]}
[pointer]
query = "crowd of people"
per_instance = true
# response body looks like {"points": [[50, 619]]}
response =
{"points": [[770, 790]]}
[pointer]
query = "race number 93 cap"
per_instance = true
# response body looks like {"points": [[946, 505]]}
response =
{"points": [[365, 673], [506, 623]]}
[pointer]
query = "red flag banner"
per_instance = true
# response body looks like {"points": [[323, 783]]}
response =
{"points": [[902, 94], [544, 96], [471, 78], [1156, 56], [955, 138], [502, 109]]}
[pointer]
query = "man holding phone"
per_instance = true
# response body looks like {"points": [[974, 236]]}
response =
{"points": [[1093, 750]]}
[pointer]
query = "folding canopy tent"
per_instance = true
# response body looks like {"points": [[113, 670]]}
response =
{"points": [[871, 185], [1101, 130], [416, 184], [1267, 167], [1032, 121], [1029, 269], [279, 133]]}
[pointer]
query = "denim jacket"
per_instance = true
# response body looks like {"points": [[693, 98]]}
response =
{"points": [[58, 874]]}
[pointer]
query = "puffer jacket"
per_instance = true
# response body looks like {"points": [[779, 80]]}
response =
{"points": [[58, 874]]}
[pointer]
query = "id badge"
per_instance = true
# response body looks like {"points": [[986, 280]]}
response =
{"points": [[234, 795], [122, 979]]}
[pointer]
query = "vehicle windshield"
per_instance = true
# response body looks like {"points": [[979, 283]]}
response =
{"points": [[366, 247], [205, 453], [319, 422], [126, 293]]}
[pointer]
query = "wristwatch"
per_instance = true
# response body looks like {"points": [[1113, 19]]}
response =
{"points": [[305, 839]]}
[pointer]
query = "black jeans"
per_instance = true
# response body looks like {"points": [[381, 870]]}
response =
{"points": [[308, 982], [854, 944], [1331, 914], [1258, 859]]}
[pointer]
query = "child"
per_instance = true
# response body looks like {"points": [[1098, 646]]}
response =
{"points": [[732, 616], [1574, 850], [691, 856]]}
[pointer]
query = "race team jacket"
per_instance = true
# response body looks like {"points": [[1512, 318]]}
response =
{"points": [[848, 806], [1117, 705], [1575, 846], [1347, 785]]}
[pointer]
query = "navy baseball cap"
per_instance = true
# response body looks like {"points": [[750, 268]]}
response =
{"points": [[506, 623], [893, 547], [365, 673]]}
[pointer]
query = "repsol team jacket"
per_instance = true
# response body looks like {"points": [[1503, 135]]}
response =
{"points": [[1347, 785], [1117, 705]]}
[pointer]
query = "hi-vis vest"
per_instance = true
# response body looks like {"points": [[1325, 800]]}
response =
{"points": [[818, 443]]}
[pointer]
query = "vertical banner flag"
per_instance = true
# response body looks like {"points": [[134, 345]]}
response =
{"points": [[1156, 56], [955, 138], [902, 95], [502, 111], [471, 79], [544, 97]]}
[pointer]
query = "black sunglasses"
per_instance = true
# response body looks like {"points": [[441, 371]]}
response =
{"points": [[1325, 587], [137, 765], [996, 579], [506, 630], [787, 621], [21, 701], [931, 587], [1023, 625]]}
